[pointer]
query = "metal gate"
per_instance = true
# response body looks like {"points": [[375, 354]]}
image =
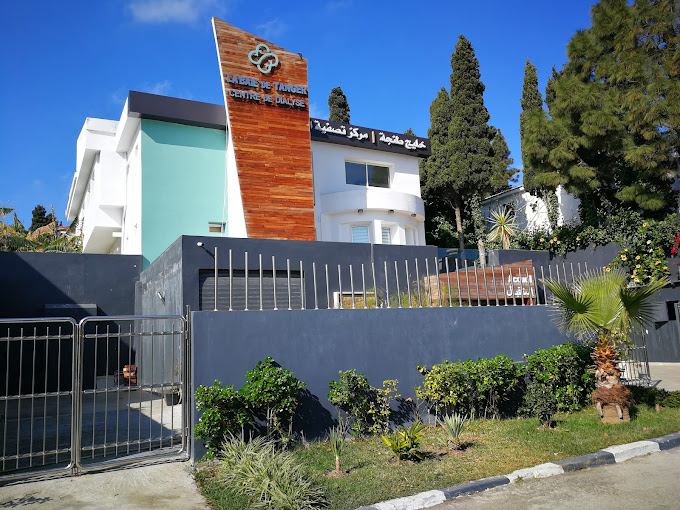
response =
{"points": [[635, 362], [104, 391]]}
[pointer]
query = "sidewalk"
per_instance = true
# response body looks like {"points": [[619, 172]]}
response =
{"points": [[667, 373], [155, 486]]}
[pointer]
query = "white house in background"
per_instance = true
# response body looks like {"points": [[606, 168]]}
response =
{"points": [[531, 211], [366, 189], [163, 170]]}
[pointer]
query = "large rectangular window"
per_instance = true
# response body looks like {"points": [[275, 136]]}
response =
{"points": [[364, 174]]}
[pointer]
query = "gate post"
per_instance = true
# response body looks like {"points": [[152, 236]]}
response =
{"points": [[76, 398]]}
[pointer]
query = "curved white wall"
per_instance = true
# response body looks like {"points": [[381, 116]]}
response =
{"points": [[337, 204]]}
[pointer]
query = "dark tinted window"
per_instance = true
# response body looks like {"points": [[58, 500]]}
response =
{"points": [[378, 176], [355, 173]]}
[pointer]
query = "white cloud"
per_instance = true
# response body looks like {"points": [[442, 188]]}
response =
{"points": [[338, 5], [161, 88], [174, 11], [119, 96], [271, 29], [316, 112]]}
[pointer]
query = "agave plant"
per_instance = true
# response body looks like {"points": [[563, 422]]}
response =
{"points": [[503, 226], [601, 305], [453, 426]]}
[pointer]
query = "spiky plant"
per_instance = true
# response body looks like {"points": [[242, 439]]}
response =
{"points": [[600, 304], [503, 226], [453, 426], [336, 437]]}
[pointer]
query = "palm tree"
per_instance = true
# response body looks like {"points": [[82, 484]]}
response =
{"points": [[601, 305], [503, 226]]}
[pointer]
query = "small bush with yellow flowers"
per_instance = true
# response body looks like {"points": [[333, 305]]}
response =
{"points": [[643, 257]]}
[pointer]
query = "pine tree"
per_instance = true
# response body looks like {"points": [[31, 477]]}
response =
{"points": [[409, 132], [614, 110], [338, 105]]}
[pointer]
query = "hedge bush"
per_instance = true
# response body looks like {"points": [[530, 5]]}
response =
{"points": [[565, 370], [483, 387]]}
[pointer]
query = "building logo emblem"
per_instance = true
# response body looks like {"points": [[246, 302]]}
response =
{"points": [[263, 58]]}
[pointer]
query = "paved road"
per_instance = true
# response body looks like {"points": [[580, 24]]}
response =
{"points": [[651, 482]]}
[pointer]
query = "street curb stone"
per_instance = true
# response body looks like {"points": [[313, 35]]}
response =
{"points": [[668, 441], [475, 486], [624, 452], [591, 460], [540, 471], [611, 455], [421, 500]]}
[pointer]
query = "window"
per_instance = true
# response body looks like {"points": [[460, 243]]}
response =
{"points": [[386, 235], [215, 227], [364, 174], [360, 234]]}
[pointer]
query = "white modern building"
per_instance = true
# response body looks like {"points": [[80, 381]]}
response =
{"points": [[163, 170], [531, 211]]}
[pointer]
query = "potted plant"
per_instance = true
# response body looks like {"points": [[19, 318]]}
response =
{"points": [[602, 305]]}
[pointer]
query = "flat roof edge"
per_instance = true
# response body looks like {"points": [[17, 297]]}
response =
{"points": [[172, 109]]}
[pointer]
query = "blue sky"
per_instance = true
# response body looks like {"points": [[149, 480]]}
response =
{"points": [[64, 61]]}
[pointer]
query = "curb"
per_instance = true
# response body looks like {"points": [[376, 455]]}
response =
{"points": [[610, 455]]}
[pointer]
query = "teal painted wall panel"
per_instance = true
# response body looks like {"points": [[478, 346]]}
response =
{"points": [[183, 183]]}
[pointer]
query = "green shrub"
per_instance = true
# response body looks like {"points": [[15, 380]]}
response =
{"points": [[539, 401], [654, 396], [270, 393], [565, 371], [367, 408], [472, 387], [224, 413], [269, 478]]}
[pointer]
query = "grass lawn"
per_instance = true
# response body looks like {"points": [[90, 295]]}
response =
{"points": [[491, 448]]}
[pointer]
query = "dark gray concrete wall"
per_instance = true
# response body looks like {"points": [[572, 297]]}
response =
{"points": [[164, 276], [663, 336], [384, 344], [195, 258], [30, 281]]}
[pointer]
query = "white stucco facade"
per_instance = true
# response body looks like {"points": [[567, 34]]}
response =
{"points": [[530, 211], [98, 191], [339, 206], [112, 186]]}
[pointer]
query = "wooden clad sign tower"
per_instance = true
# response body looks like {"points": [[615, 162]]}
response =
{"points": [[265, 91]]}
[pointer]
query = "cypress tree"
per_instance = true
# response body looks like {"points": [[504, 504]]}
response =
{"points": [[469, 149], [409, 132], [531, 102], [338, 105], [464, 165], [39, 218], [503, 172], [539, 177]]}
